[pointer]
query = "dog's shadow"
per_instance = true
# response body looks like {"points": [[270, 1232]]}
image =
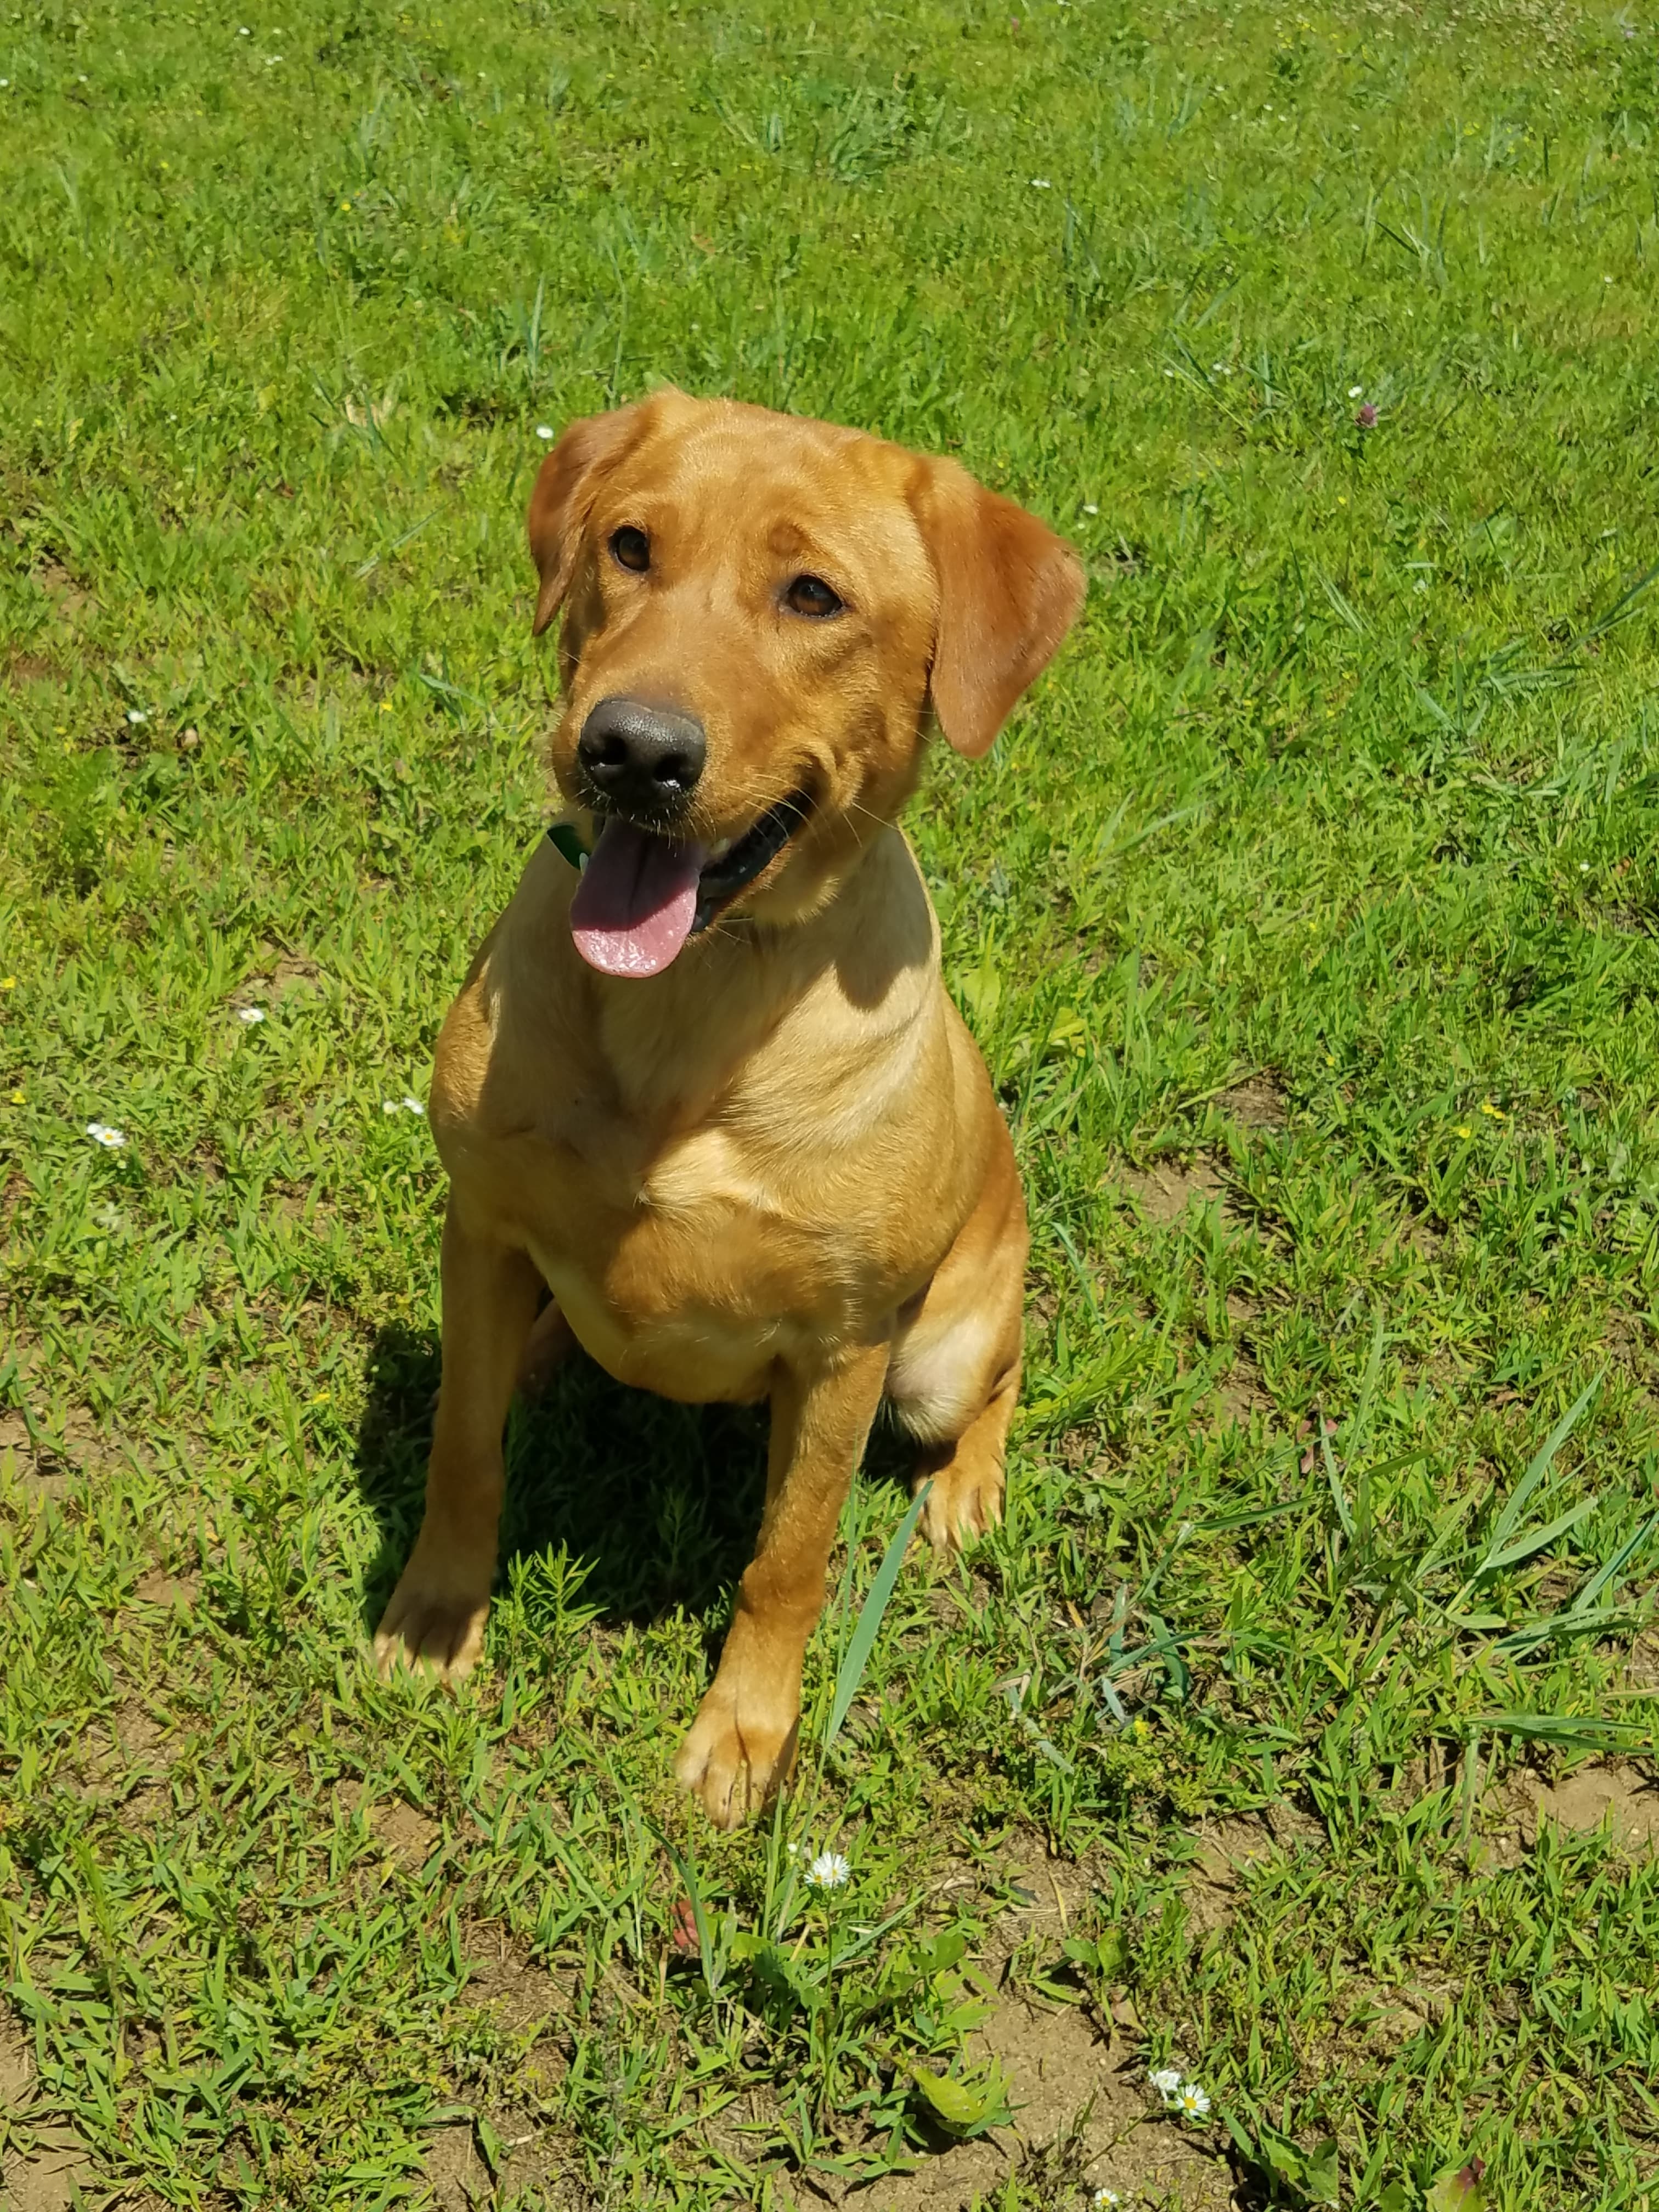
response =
{"points": [[658, 1503]]}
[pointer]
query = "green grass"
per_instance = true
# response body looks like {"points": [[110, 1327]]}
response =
{"points": [[1307, 916]]}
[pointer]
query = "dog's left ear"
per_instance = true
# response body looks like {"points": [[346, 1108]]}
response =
{"points": [[1009, 589], [564, 491]]}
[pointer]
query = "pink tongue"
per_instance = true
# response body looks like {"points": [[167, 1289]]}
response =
{"points": [[637, 899]]}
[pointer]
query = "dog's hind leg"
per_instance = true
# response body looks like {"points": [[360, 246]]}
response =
{"points": [[437, 1611], [550, 1344], [954, 1379]]}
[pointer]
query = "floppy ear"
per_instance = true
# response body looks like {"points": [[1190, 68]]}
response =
{"points": [[1009, 589], [564, 491]]}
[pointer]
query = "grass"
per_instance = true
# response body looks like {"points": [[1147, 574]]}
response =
{"points": [[1307, 916]]}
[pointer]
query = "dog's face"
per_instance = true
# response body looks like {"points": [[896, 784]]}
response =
{"points": [[762, 615]]}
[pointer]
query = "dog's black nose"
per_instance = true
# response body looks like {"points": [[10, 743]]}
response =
{"points": [[644, 761]]}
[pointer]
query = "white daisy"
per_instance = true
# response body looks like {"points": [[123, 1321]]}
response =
{"points": [[250, 1014], [830, 1871], [1040, 184], [544, 430], [1166, 2080], [1193, 2102], [1106, 2200], [137, 714], [412, 1105], [102, 1134], [1354, 390], [1090, 508]]}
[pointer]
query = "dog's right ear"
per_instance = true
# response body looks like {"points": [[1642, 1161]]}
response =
{"points": [[559, 506]]}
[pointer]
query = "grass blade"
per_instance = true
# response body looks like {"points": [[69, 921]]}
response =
{"points": [[1540, 1465], [869, 1620], [687, 1872], [1536, 1539]]}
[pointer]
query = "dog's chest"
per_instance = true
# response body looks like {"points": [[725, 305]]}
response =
{"points": [[694, 1275]]}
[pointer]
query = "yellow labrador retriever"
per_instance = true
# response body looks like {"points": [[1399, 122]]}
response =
{"points": [[704, 1083]]}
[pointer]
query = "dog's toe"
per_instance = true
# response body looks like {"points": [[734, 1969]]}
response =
{"points": [[432, 1626], [733, 1765], [963, 1505]]}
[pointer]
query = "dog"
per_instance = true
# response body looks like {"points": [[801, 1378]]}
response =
{"points": [[703, 1082]]}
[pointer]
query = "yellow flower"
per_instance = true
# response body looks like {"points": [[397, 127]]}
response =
{"points": [[1464, 1130], [1496, 1112], [16, 1098], [7, 983]]}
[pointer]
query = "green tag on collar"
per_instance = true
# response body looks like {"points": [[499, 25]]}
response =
{"points": [[569, 844]]}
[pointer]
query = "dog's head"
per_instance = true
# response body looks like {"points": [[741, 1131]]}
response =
{"points": [[763, 615]]}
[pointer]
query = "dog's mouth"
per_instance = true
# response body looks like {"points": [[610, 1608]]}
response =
{"points": [[643, 894]]}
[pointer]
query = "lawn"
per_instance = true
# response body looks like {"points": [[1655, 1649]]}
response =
{"points": [[1297, 1730]]}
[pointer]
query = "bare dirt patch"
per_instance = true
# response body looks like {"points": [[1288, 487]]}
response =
{"points": [[1617, 1792], [1164, 1191], [1083, 2117], [61, 588], [1258, 1104], [454, 2170], [407, 1837], [1223, 1851], [50, 2176], [283, 972], [163, 1586], [43, 1468], [520, 1994], [16, 2068], [1241, 1394]]}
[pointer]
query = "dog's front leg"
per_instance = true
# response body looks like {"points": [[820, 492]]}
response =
{"points": [[437, 1611], [742, 1744]]}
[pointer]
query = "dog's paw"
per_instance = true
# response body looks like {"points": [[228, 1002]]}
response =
{"points": [[432, 1621], [964, 1502], [738, 1754]]}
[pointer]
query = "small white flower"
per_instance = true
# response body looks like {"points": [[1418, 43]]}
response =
{"points": [[137, 714], [1089, 507], [412, 1105], [1166, 2080], [830, 1871], [250, 1014], [101, 1133], [5, 81], [245, 33], [1169, 372], [110, 1217], [1584, 867], [1421, 585], [544, 430], [1040, 184], [388, 1105], [1192, 2102], [1106, 2200], [1354, 390]]}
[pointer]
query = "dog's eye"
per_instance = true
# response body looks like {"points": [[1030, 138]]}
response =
{"points": [[810, 595], [630, 549]]}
